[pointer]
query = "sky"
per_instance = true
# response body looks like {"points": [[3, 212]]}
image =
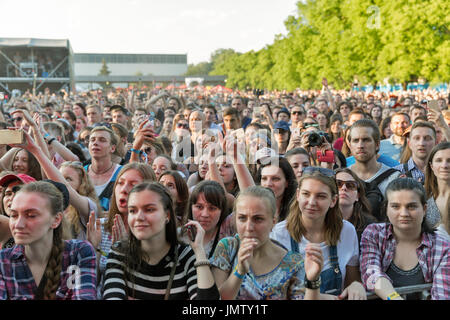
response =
{"points": [[193, 27]]}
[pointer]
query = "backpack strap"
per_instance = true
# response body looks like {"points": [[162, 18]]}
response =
{"points": [[383, 176], [408, 172]]}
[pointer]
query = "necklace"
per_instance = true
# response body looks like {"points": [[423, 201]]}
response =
{"points": [[100, 173]]}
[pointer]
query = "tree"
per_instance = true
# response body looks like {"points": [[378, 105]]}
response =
{"points": [[200, 69], [104, 71]]}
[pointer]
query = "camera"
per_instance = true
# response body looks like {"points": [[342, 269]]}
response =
{"points": [[315, 139]]}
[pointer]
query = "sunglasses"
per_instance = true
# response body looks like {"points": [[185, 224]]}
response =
{"points": [[17, 119], [350, 185], [324, 171], [182, 125], [297, 112]]}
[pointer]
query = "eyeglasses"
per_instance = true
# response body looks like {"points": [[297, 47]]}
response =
{"points": [[182, 125], [350, 185], [324, 171]]}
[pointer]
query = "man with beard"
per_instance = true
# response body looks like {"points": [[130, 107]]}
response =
{"points": [[393, 146], [364, 141], [421, 141]]}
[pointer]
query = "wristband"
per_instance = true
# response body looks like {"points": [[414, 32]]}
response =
{"points": [[202, 263], [50, 141], [138, 152], [313, 285], [393, 295], [237, 274], [103, 253]]}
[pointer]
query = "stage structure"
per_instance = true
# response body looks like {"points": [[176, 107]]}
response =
{"points": [[35, 64]]}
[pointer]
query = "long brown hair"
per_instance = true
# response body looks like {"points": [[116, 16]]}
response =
{"points": [[333, 219], [146, 172], [182, 190], [54, 266], [431, 184], [34, 168], [362, 206]]}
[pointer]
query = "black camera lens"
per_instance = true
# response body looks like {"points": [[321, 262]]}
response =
{"points": [[314, 139]]}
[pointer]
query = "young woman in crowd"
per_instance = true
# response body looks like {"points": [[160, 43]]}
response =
{"points": [[385, 128], [353, 203], [404, 251], [103, 232], [177, 186], [40, 265], [437, 184], [315, 217], [162, 163], [208, 205], [250, 266], [299, 159], [376, 114], [138, 268]]}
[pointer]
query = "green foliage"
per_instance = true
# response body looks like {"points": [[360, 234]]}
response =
{"points": [[343, 40], [104, 71]]}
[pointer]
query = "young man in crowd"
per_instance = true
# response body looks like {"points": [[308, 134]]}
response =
{"points": [[393, 146], [93, 114]]}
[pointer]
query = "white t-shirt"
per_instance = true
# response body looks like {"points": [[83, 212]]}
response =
{"points": [[347, 247]]}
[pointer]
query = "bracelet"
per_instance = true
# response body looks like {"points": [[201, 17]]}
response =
{"points": [[138, 152], [237, 274], [313, 285], [103, 253], [202, 263], [50, 141], [393, 295]]}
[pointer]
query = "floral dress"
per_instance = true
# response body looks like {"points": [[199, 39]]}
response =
{"points": [[285, 282]]}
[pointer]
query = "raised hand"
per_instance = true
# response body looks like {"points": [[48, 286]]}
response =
{"points": [[119, 232], [94, 231], [245, 253], [313, 261]]}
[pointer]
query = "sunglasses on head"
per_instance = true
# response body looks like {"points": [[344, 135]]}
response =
{"points": [[324, 171], [350, 185]]}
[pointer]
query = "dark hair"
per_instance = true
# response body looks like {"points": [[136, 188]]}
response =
{"points": [[291, 188], [182, 190], [411, 185], [296, 151], [134, 256], [214, 194], [431, 185], [383, 125]]}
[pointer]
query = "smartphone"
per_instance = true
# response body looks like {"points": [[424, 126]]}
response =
{"points": [[433, 104], [296, 132], [257, 112], [328, 157], [190, 231]]}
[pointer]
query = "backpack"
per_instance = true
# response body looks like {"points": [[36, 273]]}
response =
{"points": [[374, 194]]}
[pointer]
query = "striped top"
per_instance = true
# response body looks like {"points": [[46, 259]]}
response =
{"points": [[149, 282]]}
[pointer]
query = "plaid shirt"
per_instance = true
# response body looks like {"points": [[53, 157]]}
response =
{"points": [[17, 282], [415, 172], [378, 246]]}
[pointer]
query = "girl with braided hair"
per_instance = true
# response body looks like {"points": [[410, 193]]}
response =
{"points": [[42, 265]]}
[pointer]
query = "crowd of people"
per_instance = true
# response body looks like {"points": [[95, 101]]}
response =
{"points": [[221, 194]]}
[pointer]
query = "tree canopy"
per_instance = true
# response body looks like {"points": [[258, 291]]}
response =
{"points": [[347, 40]]}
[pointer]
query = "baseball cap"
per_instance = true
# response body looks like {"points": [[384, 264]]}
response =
{"points": [[25, 179], [281, 125], [63, 189]]}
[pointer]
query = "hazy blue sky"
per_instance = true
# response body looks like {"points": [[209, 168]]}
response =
{"points": [[195, 27]]}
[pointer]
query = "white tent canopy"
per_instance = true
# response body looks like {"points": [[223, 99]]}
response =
{"points": [[31, 42]]}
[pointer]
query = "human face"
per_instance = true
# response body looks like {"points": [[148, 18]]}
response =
{"points": [[173, 103], [20, 162], [79, 125], [298, 162], [77, 110], [67, 117], [362, 145], [195, 121], [72, 176], [169, 182], [348, 192], [281, 136], [387, 132], [312, 112], [206, 214], [283, 117], [321, 120], [344, 110], [17, 119], [9, 195], [355, 117], [226, 170], [441, 164], [119, 117], [146, 216], [203, 166], [169, 113], [314, 200], [421, 142], [125, 183], [231, 122], [93, 116], [237, 104], [376, 112], [150, 151], [417, 112], [336, 127], [405, 211], [30, 219], [272, 177], [100, 144], [253, 219], [210, 115], [160, 164], [399, 124], [297, 114], [167, 125]]}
